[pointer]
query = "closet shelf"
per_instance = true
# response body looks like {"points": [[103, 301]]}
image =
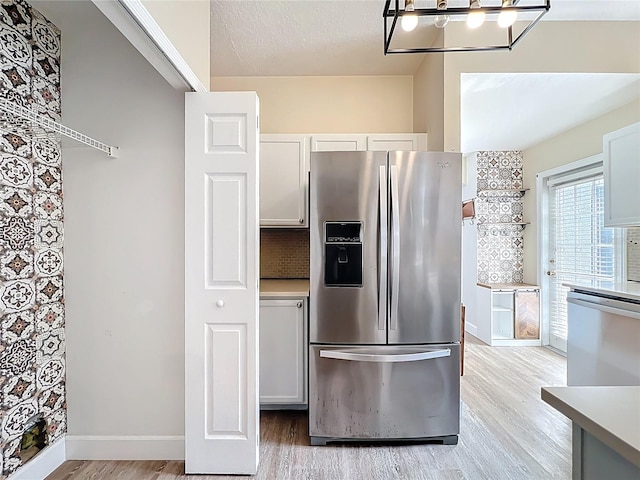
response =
{"points": [[23, 121]]}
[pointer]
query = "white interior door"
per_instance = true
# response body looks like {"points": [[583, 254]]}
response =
{"points": [[221, 283]]}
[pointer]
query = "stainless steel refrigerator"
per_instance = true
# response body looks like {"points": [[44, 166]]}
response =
{"points": [[384, 331]]}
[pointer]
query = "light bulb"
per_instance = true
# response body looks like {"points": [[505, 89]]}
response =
{"points": [[409, 22], [475, 19], [441, 21], [507, 17]]}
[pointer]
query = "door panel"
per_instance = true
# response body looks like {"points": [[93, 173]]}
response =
{"points": [[282, 352], [425, 250], [221, 288], [527, 314], [284, 164], [345, 187], [403, 398], [338, 143]]}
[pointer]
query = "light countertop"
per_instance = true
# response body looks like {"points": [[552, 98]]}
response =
{"points": [[629, 290], [284, 288], [611, 414], [508, 286]]}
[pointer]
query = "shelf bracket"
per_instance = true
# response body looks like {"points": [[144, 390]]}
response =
{"points": [[21, 120]]}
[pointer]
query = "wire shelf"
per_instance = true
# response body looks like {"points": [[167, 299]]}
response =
{"points": [[22, 121]]}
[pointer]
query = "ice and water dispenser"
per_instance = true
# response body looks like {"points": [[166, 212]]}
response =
{"points": [[343, 254]]}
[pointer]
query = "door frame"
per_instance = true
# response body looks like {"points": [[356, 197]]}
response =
{"points": [[542, 240]]}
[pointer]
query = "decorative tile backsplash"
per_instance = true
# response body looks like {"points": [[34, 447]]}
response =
{"points": [[500, 240], [32, 340], [284, 253], [633, 254]]}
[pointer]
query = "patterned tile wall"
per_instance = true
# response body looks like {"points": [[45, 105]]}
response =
{"points": [[32, 343], [284, 253], [500, 242], [633, 254]]}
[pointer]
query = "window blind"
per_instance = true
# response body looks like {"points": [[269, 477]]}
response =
{"points": [[582, 248]]}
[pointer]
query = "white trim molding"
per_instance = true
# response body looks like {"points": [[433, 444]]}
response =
{"points": [[139, 27], [44, 463], [134, 447]]}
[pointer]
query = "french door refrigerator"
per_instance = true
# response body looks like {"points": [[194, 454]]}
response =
{"points": [[384, 329]]}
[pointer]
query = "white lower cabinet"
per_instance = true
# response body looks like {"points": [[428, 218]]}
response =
{"points": [[509, 316], [283, 353]]}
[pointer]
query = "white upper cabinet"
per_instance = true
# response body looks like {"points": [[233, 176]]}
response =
{"points": [[397, 141], [338, 142], [348, 142], [284, 166], [622, 177]]}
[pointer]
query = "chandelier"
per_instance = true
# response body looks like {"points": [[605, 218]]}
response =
{"points": [[488, 24]]}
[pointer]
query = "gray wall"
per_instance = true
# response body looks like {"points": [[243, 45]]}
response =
{"points": [[124, 233]]}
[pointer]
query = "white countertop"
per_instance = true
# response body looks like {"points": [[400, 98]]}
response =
{"points": [[284, 288], [629, 290], [611, 414]]}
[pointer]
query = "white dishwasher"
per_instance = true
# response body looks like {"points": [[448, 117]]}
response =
{"points": [[603, 344]]}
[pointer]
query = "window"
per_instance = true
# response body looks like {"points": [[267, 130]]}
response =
{"points": [[581, 248]]}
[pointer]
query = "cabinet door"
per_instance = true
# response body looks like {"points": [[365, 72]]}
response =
{"points": [[622, 176], [338, 143], [284, 163], [397, 141], [527, 315], [282, 351]]}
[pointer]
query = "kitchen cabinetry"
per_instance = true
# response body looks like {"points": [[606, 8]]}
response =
{"points": [[621, 151], [397, 141], [333, 142], [509, 314], [284, 167], [283, 353], [376, 141]]}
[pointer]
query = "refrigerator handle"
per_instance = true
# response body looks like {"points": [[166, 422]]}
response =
{"points": [[395, 244], [382, 235], [358, 356]]}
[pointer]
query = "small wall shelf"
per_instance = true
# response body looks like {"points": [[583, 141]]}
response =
{"points": [[23, 121], [522, 191], [504, 223]]}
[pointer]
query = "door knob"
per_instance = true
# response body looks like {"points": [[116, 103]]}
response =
{"points": [[220, 303]]}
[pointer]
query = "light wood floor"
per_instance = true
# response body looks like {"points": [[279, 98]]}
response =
{"points": [[507, 432]]}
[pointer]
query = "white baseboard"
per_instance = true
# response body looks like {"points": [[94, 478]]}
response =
{"points": [[111, 447], [44, 463], [471, 328]]}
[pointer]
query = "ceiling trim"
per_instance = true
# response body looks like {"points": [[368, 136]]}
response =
{"points": [[139, 27]]}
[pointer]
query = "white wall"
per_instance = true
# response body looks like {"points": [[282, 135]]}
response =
{"points": [[362, 104], [187, 24], [469, 248], [124, 233], [428, 100], [598, 47]]}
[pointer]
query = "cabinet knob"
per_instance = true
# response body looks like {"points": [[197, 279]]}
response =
{"points": [[550, 273], [299, 304], [301, 220], [220, 303]]}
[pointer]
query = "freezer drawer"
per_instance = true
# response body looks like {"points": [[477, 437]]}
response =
{"points": [[384, 392]]}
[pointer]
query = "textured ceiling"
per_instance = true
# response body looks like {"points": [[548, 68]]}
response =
{"points": [[331, 37], [518, 110]]}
